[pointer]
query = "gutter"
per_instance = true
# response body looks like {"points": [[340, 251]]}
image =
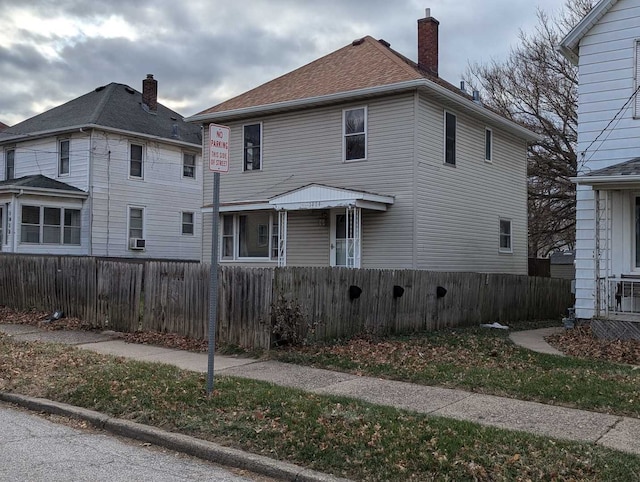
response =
{"points": [[593, 180], [368, 92], [44, 192], [49, 132]]}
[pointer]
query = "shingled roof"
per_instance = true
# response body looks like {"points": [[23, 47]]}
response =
{"points": [[116, 106], [38, 182], [363, 68], [3, 126]]}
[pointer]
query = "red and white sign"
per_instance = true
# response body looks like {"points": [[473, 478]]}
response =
{"points": [[218, 148]]}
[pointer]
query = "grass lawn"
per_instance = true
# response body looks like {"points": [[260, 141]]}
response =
{"points": [[331, 434], [485, 361]]}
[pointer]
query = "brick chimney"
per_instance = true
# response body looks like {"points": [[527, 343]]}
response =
{"points": [[428, 43], [150, 93]]}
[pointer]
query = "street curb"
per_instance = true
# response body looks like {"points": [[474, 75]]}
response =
{"points": [[202, 449]]}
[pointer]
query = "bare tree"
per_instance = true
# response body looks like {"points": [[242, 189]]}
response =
{"points": [[537, 87]]}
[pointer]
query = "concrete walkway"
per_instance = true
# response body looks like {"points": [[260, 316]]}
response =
{"points": [[621, 433]]}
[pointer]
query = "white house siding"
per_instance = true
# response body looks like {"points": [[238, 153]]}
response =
{"points": [[163, 193], [459, 208], [306, 147], [40, 156], [606, 73]]}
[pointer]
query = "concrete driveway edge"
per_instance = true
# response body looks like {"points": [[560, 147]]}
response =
{"points": [[202, 449]]}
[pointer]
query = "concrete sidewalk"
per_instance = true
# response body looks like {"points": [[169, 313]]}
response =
{"points": [[621, 433]]}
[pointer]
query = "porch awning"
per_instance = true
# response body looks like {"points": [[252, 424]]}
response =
{"points": [[319, 196], [41, 185], [619, 176]]}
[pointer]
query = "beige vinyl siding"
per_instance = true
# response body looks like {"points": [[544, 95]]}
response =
{"points": [[162, 192], [308, 241], [459, 208], [306, 147]]}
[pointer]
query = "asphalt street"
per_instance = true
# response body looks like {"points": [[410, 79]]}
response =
{"points": [[36, 449]]}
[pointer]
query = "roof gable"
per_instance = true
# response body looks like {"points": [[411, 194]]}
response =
{"points": [[570, 43], [116, 106]]}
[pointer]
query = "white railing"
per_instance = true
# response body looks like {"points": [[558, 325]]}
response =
{"points": [[622, 295]]}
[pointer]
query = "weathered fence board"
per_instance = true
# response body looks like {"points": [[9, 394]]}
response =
{"points": [[174, 297]]}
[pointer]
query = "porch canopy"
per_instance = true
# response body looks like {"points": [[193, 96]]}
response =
{"points": [[619, 176], [319, 196]]}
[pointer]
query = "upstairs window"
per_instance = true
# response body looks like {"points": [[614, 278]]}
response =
{"points": [[450, 122], [488, 145], [9, 164], [355, 134], [252, 150], [135, 161], [63, 157], [189, 165], [505, 236]]}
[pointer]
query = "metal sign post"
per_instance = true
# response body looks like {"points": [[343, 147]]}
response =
{"points": [[218, 162]]}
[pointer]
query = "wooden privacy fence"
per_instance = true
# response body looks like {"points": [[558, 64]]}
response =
{"points": [[174, 297]]}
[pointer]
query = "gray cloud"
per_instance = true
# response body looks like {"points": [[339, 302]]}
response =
{"points": [[201, 52]]}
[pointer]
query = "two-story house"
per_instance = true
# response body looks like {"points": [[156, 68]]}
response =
{"points": [[364, 158], [605, 46], [112, 173]]}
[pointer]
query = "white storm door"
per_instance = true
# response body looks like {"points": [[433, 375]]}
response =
{"points": [[345, 238]]}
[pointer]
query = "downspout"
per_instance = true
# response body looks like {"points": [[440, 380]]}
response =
{"points": [[596, 261], [414, 242], [90, 183], [108, 200]]}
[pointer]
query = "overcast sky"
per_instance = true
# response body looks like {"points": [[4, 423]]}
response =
{"points": [[203, 52]]}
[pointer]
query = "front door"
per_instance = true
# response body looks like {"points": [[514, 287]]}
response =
{"points": [[345, 237]]}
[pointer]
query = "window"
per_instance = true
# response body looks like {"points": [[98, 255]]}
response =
{"points": [[355, 134], [9, 164], [71, 226], [188, 165], [135, 163], [488, 145], [136, 222], [44, 225], [252, 143], [187, 223], [1, 227], [449, 138], [63, 157], [250, 235], [505, 236], [51, 227]]}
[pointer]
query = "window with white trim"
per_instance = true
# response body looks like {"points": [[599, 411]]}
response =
{"points": [[450, 126], [354, 125], [49, 225], [187, 223], [63, 157], [189, 165], [252, 235], [136, 222], [505, 236], [9, 164], [136, 159], [488, 145], [252, 142]]}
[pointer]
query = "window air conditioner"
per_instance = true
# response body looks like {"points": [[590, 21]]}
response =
{"points": [[137, 244]]}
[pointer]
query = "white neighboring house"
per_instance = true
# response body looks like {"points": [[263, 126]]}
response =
{"points": [[366, 159], [112, 173], [606, 47]]}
